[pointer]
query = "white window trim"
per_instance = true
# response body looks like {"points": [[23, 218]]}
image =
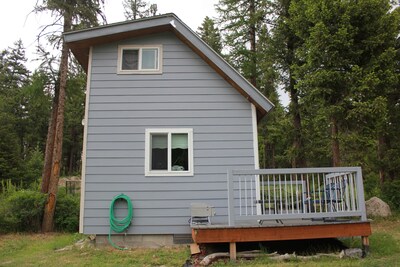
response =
{"points": [[140, 70], [169, 172]]}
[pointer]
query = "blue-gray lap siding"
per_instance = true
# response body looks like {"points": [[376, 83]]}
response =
{"points": [[188, 94]]}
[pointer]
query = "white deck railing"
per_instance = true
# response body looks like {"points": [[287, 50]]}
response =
{"points": [[308, 193]]}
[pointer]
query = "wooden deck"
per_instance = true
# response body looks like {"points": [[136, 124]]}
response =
{"points": [[292, 204], [275, 231]]}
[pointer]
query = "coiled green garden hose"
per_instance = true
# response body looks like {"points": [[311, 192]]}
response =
{"points": [[120, 225]]}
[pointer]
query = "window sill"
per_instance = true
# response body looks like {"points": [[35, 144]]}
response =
{"points": [[159, 174], [124, 72]]}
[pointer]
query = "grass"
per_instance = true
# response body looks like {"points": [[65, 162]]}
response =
{"points": [[41, 250]]}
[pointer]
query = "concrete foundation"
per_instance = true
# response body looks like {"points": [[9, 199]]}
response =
{"points": [[136, 241]]}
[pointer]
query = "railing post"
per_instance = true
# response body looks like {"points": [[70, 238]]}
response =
{"points": [[231, 199], [360, 194]]}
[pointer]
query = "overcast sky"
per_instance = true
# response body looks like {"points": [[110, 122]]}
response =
{"points": [[17, 21]]}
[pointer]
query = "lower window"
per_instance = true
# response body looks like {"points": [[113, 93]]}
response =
{"points": [[169, 152]]}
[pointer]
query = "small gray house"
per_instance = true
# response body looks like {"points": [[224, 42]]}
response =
{"points": [[166, 118], [169, 124]]}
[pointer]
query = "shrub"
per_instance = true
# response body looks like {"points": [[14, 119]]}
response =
{"points": [[372, 186], [21, 211], [6, 223], [390, 193], [66, 218]]}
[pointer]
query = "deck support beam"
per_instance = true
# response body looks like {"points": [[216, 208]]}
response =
{"points": [[221, 234], [365, 245], [232, 250]]}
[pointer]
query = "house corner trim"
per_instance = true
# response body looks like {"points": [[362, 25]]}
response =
{"points": [[85, 132]]}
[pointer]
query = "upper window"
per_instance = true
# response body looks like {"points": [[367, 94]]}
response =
{"points": [[139, 59], [169, 152]]}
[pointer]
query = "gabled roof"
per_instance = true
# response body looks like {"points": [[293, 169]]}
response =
{"points": [[80, 42]]}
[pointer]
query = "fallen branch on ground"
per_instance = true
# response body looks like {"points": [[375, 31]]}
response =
{"points": [[273, 256], [242, 255]]}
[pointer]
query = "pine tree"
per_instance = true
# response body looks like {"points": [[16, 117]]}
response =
{"points": [[14, 76], [13, 72], [346, 48], [137, 9], [284, 44], [10, 161], [210, 34], [240, 23], [37, 105]]}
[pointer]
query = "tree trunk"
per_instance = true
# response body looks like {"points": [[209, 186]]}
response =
{"points": [[48, 157], [71, 160], [270, 155], [335, 142], [298, 159], [381, 149], [252, 37], [50, 205], [71, 156]]}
